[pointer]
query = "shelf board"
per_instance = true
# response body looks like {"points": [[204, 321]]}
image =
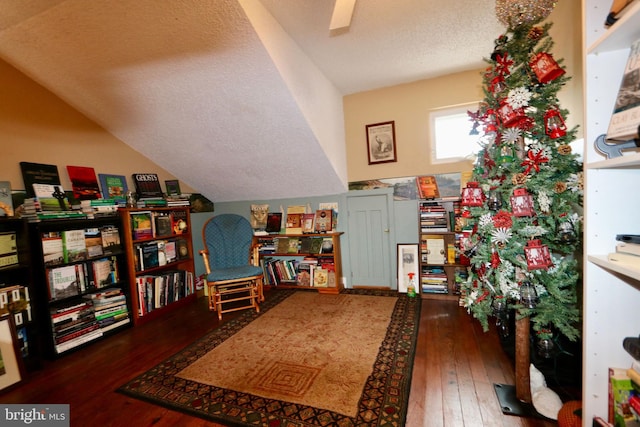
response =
{"points": [[629, 161], [621, 34], [627, 270]]}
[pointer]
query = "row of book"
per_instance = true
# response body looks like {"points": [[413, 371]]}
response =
{"points": [[157, 291], [158, 253], [433, 217], [76, 279], [148, 224], [89, 319], [59, 247], [296, 245], [308, 272]]}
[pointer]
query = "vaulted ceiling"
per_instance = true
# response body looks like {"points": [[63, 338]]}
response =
{"points": [[240, 99]]}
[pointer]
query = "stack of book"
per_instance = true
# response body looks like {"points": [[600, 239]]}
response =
{"points": [[33, 212], [110, 308], [433, 280], [627, 251], [433, 217], [74, 325], [178, 200], [99, 207]]}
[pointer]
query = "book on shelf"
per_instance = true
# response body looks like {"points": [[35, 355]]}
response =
{"points": [[6, 201], [326, 247], [617, 10], [179, 222], [182, 248], [427, 187], [105, 272], [147, 186], [320, 277], [163, 224], [323, 221], [308, 222], [435, 250], [63, 282], [294, 223], [282, 245], [628, 248], [625, 119], [110, 235], [274, 222], [38, 173], [113, 187], [304, 273], [93, 241], [141, 225], [74, 247], [51, 197], [315, 246], [8, 248], [173, 187], [84, 182]]}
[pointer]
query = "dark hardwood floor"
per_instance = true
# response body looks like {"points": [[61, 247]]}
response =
{"points": [[455, 368]]}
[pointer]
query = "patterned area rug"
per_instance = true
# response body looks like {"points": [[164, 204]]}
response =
{"points": [[307, 359]]}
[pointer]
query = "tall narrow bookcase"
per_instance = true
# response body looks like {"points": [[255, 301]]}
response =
{"points": [[611, 290], [70, 281], [439, 262], [16, 287], [160, 260]]}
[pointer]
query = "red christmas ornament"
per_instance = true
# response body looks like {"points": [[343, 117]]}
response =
{"points": [[472, 195], [522, 203], [503, 63], [510, 117], [533, 161], [495, 260], [545, 67], [537, 254], [554, 124]]}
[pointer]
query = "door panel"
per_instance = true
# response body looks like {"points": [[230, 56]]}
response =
{"points": [[369, 241]]}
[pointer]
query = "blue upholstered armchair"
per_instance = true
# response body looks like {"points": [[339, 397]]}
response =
{"points": [[232, 280]]}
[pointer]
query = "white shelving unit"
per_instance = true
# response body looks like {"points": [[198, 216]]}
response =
{"points": [[612, 206]]}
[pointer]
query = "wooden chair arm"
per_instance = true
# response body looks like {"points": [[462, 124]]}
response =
{"points": [[205, 258]]}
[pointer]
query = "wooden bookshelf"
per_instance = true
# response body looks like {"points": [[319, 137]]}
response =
{"points": [[15, 270], [439, 267], [68, 314], [297, 254], [169, 283]]}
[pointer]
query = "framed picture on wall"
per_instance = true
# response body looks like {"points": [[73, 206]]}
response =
{"points": [[407, 263], [381, 142], [11, 368]]}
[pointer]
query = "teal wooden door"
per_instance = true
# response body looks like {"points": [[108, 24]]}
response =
{"points": [[370, 240]]}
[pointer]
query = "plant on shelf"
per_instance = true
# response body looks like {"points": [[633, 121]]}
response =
{"points": [[524, 201]]}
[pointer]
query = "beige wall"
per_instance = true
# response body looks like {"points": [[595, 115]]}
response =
{"points": [[37, 126], [409, 106]]}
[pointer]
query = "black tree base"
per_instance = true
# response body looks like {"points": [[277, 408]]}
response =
{"points": [[511, 405]]}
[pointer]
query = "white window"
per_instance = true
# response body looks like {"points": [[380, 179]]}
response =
{"points": [[450, 134]]}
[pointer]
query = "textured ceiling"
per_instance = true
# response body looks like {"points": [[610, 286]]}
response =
{"points": [[240, 99]]}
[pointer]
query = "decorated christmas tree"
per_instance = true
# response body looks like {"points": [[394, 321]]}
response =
{"points": [[522, 206]]}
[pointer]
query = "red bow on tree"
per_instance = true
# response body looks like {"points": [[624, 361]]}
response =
{"points": [[503, 63], [533, 161]]}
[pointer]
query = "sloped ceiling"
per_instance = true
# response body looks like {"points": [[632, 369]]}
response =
{"points": [[240, 99]]}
